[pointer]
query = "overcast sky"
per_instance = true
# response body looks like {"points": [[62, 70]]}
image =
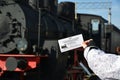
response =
{"points": [[115, 10]]}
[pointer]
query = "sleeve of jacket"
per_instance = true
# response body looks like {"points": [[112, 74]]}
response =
{"points": [[105, 65]]}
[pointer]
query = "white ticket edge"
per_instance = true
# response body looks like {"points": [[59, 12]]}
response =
{"points": [[70, 43]]}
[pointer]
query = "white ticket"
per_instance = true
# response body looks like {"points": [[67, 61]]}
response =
{"points": [[70, 43]]}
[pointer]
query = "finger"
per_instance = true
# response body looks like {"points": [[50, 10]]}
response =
{"points": [[88, 40]]}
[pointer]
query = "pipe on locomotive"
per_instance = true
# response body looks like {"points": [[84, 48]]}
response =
{"points": [[39, 23]]}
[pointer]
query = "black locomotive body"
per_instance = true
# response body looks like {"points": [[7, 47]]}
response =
{"points": [[34, 27]]}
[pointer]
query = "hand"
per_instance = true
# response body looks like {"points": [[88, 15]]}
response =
{"points": [[86, 43]]}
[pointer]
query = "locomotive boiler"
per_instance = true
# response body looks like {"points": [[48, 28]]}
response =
{"points": [[38, 26]]}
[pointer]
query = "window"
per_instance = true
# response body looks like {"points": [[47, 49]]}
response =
{"points": [[95, 25]]}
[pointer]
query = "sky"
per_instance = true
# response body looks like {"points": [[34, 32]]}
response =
{"points": [[115, 10]]}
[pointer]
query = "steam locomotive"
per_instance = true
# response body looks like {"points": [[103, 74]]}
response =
{"points": [[31, 28], [28, 28]]}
